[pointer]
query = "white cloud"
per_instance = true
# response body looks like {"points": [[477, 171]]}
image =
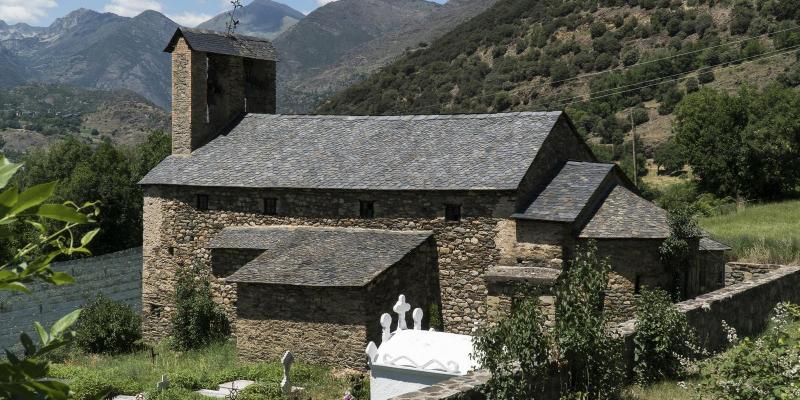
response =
{"points": [[131, 8], [323, 2], [190, 19], [29, 11]]}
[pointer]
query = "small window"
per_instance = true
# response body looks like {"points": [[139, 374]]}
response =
{"points": [[452, 212], [367, 209], [202, 202], [637, 285], [270, 206]]}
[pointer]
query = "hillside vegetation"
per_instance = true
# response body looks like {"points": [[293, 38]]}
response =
{"points": [[38, 115], [544, 55]]}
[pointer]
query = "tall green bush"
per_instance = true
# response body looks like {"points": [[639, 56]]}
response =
{"points": [[516, 352], [198, 321], [592, 357], [108, 326], [664, 342]]}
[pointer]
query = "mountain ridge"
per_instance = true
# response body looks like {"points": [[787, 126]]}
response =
{"points": [[264, 18]]}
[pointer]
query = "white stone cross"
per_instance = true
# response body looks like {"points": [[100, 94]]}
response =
{"points": [[417, 317], [372, 352], [287, 361], [386, 327], [401, 308]]}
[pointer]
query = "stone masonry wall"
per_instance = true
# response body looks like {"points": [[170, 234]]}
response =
{"points": [[176, 234], [116, 275], [331, 325], [737, 272], [631, 260], [318, 324]]}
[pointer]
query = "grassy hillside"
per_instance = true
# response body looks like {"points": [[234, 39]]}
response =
{"points": [[38, 115], [768, 233], [535, 55]]}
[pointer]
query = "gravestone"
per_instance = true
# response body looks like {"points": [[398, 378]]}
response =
{"points": [[408, 360]]}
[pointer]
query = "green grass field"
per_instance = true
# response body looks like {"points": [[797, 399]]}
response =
{"points": [[92, 375], [766, 233]]}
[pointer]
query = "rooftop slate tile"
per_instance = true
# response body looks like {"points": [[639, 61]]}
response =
{"points": [[436, 152], [317, 256], [568, 193], [625, 215], [222, 43]]}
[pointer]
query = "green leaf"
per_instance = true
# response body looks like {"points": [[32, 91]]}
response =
{"points": [[89, 236], [43, 335], [61, 278], [14, 287], [33, 197], [64, 323], [27, 343], [7, 170], [60, 212], [9, 197]]}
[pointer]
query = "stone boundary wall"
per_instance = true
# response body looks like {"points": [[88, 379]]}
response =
{"points": [[116, 275], [745, 306], [737, 272]]}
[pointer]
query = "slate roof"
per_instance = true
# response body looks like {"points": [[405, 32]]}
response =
{"points": [[623, 214], [316, 256], [568, 193], [222, 43], [420, 152], [708, 244]]}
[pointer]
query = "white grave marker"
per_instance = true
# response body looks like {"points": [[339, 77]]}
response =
{"points": [[409, 360]]}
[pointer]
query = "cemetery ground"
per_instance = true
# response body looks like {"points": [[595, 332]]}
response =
{"points": [[762, 233], [91, 375]]}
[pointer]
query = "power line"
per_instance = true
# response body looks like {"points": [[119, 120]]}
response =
{"points": [[621, 68], [785, 50], [615, 91]]}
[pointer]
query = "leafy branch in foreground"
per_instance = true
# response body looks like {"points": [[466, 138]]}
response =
{"points": [[24, 376]]}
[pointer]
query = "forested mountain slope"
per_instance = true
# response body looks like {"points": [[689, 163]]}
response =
{"points": [[635, 57], [303, 91]]}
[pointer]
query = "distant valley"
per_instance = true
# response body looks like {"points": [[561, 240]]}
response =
{"points": [[334, 46], [38, 115]]}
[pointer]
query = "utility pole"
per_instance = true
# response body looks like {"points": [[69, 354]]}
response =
{"points": [[633, 145]]}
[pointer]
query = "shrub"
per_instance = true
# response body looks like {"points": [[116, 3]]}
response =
{"points": [[592, 357], [664, 341], [108, 326], [516, 352], [675, 251], [764, 368], [197, 320]]}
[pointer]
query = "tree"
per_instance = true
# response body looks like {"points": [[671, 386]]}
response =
{"points": [[25, 376], [676, 250], [741, 15], [516, 352], [744, 145], [597, 29], [76, 165], [592, 357], [670, 157]]}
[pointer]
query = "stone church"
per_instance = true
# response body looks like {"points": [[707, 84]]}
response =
{"points": [[309, 226]]}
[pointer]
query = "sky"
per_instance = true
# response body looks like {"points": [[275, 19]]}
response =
{"points": [[184, 12]]}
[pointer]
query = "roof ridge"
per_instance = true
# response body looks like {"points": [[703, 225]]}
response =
{"points": [[329, 228], [409, 117], [225, 34]]}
